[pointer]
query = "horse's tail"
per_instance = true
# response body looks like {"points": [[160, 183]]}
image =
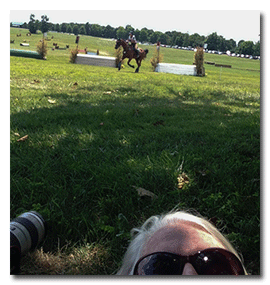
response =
{"points": [[146, 51]]}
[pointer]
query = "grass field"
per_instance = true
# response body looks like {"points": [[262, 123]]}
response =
{"points": [[95, 132]]}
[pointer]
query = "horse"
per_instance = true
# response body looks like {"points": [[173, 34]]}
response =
{"points": [[130, 54]]}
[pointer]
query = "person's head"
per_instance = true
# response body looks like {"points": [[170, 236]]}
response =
{"points": [[179, 243]]}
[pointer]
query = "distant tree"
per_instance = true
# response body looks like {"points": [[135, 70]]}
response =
{"points": [[256, 49], [32, 24], [246, 47], [63, 27], [239, 43], [82, 30], [108, 32], [230, 45], [44, 27], [185, 39], [87, 28], [164, 39], [96, 30], [129, 28], [155, 37], [69, 29], [76, 30], [25, 26], [143, 35], [57, 28], [173, 36], [196, 40], [212, 41], [137, 34], [221, 44], [121, 33]]}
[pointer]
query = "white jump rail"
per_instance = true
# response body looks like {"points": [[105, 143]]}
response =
{"points": [[95, 60], [176, 68]]}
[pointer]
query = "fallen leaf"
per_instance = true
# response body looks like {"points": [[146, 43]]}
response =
{"points": [[22, 139], [16, 134], [51, 101], [143, 192], [182, 179], [108, 92]]}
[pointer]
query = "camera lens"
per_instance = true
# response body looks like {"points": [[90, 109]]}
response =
{"points": [[27, 231]]}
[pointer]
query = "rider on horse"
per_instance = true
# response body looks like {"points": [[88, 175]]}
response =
{"points": [[132, 41]]}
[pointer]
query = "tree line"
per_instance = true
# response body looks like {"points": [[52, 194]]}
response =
{"points": [[172, 38]]}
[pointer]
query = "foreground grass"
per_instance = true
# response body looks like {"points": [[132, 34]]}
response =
{"points": [[94, 133]]}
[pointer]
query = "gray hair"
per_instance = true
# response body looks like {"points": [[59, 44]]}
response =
{"points": [[141, 235]]}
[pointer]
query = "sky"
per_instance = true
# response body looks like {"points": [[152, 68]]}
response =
{"points": [[235, 24]]}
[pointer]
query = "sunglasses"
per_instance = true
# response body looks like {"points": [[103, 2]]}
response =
{"points": [[211, 261]]}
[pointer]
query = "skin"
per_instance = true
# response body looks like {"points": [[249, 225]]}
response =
{"points": [[183, 238]]}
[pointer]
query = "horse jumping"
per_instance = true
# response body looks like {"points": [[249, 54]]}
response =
{"points": [[130, 54]]}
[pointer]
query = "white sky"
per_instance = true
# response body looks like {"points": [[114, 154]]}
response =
{"points": [[238, 25]]}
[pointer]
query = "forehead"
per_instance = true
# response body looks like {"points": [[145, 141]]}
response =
{"points": [[182, 238]]}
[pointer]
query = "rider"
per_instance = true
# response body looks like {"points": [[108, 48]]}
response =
{"points": [[133, 42]]}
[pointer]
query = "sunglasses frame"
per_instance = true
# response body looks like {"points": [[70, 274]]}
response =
{"points": [[234, 263]]}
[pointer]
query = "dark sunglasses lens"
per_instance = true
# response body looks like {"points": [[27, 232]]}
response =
{"points": [[218, 263], [159, 264]]}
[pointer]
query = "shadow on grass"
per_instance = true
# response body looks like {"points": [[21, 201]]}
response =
{"points": [[82, 158]]}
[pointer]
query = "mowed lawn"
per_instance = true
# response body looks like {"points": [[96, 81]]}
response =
{"points": [[96, 135]]}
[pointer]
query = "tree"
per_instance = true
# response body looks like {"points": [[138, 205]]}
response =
{"points": [[32, 24], [87, 28], [44, 27], [57, 28], [108, 32], [155, 37], [196, 40], [96, 30], [164, 39], [137, 33], [82, 30], [231, 45], [63, 27], [143, 35], [212, 41], [121, 33], [221, 44], [76, 30], [185, 39], [239, 43], [246, 47], [129, 29], [256, 49], [69, 29]]}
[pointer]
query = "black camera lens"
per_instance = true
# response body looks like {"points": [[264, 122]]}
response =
{"points": [[26, 233]]}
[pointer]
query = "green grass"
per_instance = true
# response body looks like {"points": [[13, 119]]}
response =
{"points": [[112, 130]]}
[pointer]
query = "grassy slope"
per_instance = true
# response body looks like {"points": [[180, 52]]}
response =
{"points": [[112, 130]]}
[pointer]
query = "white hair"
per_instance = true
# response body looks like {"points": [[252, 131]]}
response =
{"points": [[141, 235]]}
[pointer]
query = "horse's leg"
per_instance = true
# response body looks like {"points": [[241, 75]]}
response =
{"points": [[130, 64], [139, 64], [120, 62]]}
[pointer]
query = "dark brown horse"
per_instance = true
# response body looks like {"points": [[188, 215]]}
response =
{"points": [[130, 54]]}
